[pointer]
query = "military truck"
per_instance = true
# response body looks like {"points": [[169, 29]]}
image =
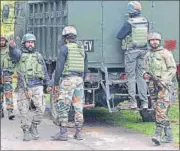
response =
{"points": [[97, 23]]}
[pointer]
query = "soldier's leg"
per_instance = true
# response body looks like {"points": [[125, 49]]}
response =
{"points": [[78, 100], [38, 100], [8, 90], [23, 107], [1, 101], [130, 66], [162, 120], [141, 83], [62, 108], [168, 137]]}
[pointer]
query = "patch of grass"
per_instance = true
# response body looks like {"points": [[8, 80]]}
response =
{"points": [[132, 120]]}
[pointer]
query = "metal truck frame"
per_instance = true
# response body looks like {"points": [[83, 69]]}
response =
{"points": [[97, 23]]}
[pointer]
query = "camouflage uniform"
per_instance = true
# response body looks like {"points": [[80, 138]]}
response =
{"points": [[70, 67], [160, 62], [6, 82], [71, 92], [23, 104], [32, 75]]}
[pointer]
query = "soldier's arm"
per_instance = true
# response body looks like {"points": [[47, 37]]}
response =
{"points": [[124, 31], [46, 75], [171, 66], [145, 65], [15, 54], [85, 65], [61, 59]]}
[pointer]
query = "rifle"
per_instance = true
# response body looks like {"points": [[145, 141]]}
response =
{"points": [[157, 82], [23, 84]]}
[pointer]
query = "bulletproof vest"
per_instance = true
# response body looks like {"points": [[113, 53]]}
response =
{"points": [[156, 63], [139, 35], [31, 65], [75, 59], [6, 62]]}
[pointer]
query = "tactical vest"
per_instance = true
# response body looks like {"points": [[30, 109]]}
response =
{"points": [[31, 65], [139, 35], [6, 62], [156, 63], [75, 59]]}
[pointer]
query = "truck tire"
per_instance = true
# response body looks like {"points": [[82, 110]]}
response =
{"points": [[147, 115]]}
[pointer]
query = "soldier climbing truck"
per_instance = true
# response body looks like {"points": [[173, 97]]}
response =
{"points": [[97, 23]]}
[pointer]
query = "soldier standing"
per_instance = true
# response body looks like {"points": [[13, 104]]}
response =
{"points": [[6, 79], [32, 75], [134, 41], [160, 62], [71, 67]]}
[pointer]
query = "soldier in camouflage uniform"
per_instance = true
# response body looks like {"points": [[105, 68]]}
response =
{"points": [[71, 67], [160, 62], [32, 75], [6, 79], [133, 35]]}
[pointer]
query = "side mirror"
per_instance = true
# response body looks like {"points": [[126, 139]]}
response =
{"points": [[5, 11]]}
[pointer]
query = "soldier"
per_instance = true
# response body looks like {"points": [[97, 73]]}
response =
{"points": [[134, 41], [160, 63], [6, 79], [32, 75], [71, 67]]}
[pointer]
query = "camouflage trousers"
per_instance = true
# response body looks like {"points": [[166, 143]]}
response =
{"points": [[23, 103], [71, 93], [161, 107], [7, 92]]}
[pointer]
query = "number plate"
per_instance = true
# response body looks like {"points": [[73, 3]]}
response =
{"points": [[88, 45]]}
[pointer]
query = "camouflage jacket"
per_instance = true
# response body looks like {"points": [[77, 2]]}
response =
{"points": [[161, 63]]}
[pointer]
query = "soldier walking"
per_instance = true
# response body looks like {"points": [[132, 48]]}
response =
{"points": [[160, 63], [32, 75], [71, 67]]}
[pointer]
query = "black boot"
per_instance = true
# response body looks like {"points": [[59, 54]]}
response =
{"points": [[62, 135], [26, 136], [168, 138], [78, 133], [11, 116], [34, 132], [157, 138]]}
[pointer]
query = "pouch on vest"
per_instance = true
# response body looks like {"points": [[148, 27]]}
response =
{"points": [[139, 33]]}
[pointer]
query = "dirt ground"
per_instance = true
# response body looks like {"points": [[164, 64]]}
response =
{"points": [[97, 136]]}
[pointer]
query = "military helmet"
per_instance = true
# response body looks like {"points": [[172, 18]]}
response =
{"points": [[4, 38], [28, 37], [69, 30], [154, 35], [134, 7]]}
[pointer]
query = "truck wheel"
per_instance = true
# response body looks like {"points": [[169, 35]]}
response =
{"points": [[147, 115]]}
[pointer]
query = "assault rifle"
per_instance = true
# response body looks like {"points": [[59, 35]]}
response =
{"points": [[157, 82], [23, 84]]}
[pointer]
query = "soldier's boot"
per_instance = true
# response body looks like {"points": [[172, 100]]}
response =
{"points": [[168, 138], [78, 133], [62, 135], [11, 115], [129, 105], [26, 136], [157, 138], [33, 130], [133, 105]]}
